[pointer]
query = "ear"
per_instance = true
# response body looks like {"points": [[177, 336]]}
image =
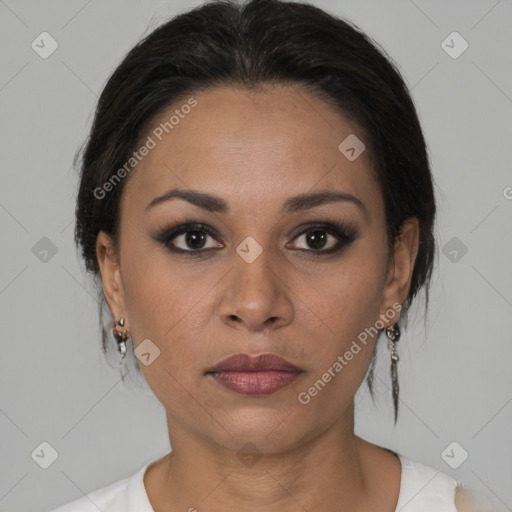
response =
{"points": [[400, 269], [108, 261]]}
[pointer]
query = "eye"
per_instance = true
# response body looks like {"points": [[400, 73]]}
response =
{"points": [[196, 239], [189, 238], [324, 238]]}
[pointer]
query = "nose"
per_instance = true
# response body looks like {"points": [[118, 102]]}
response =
{"points": [[256, 295]]}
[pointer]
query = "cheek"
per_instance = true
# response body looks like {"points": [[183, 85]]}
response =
{"points": [[338, 314], [160, 306], [346, 297], [160, 294], [341, 348], [168, 304]]}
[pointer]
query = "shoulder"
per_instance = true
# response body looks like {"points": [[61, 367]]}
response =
{"points": [[425, 488], [107, 499], [464, 500], [467, 500], [120, 496]]}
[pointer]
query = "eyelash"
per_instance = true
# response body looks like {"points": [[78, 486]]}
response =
{"points": [[345, 234]]}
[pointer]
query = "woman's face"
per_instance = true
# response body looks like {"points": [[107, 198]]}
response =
{"points": [[258, 276]]}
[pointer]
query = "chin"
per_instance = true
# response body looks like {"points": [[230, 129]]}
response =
{"points": [[267, 430]]}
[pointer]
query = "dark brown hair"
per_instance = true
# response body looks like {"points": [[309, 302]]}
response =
{"points": [[247, 45]]}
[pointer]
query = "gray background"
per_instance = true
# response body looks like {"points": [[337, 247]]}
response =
{"points": [[455, 376]]}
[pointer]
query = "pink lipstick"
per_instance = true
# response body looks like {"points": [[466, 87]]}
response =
{"points": [[260, 375]]}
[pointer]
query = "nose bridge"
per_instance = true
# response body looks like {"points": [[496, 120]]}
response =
{"points": [[255, 294], [252, 265]]}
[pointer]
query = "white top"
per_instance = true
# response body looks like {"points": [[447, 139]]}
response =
{"points": [[422, 489]]}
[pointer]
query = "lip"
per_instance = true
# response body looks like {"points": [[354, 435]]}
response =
{"points": [[245, 363], [259, 375]]}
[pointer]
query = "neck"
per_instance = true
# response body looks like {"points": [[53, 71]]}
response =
{"points": [[328, 472]]}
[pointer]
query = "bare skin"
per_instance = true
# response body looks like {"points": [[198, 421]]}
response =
{"points": [[255, 150]]}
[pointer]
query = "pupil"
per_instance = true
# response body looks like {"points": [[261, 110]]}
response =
{"points": [[192, 237], [316, 239]]}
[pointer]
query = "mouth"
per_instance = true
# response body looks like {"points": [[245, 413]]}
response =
{"points": [[260, 375]]}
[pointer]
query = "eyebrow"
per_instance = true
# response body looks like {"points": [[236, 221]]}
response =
{"points": [[213, 203]]}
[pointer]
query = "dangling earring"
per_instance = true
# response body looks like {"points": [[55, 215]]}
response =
{"points": [[121, 337], [393, 334]]}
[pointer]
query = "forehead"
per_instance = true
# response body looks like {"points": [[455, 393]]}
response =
{"points": [[250, 145]]}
